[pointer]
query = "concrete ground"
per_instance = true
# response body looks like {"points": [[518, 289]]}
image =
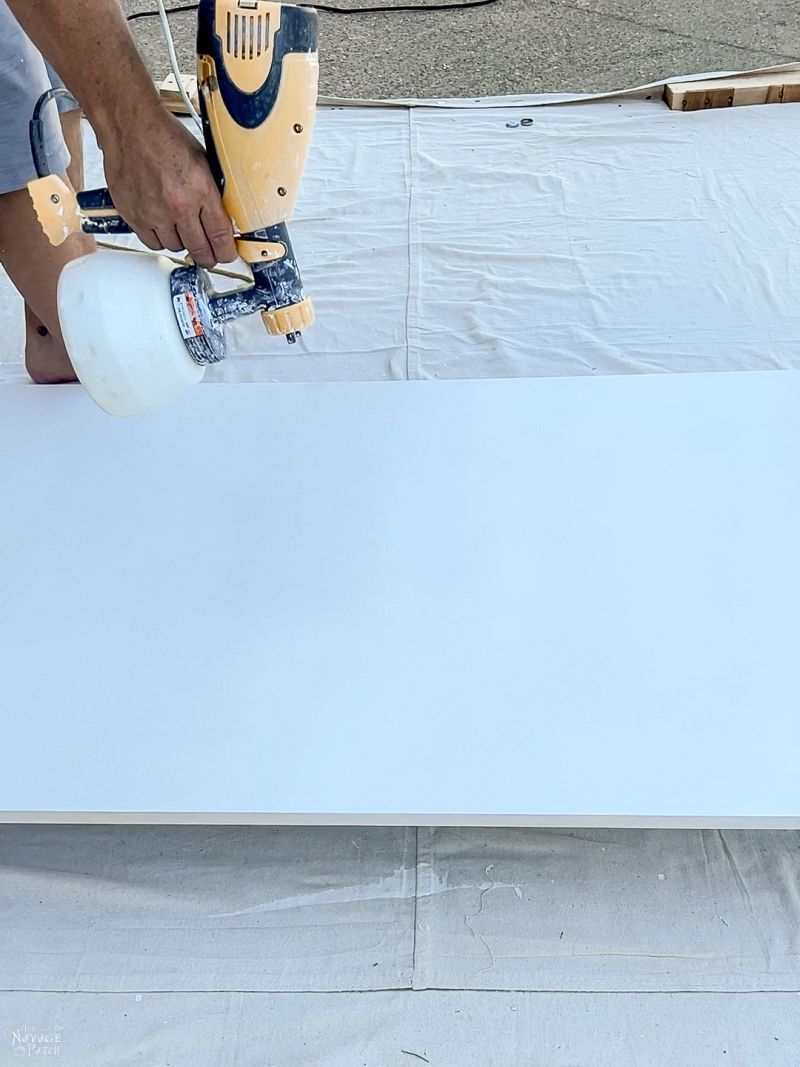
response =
{"points": [[517, 46]]}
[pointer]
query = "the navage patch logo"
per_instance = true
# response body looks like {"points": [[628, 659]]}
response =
{"points": [[31, 1041]]}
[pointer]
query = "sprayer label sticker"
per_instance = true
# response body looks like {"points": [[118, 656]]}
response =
{"points": [[187, 315]]}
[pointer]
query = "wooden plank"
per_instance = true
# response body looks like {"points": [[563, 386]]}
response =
{"points": [[513, 602], [171, 97], [736, 91]]}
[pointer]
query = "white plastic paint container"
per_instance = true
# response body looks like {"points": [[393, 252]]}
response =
{"points": [[119, 328]]}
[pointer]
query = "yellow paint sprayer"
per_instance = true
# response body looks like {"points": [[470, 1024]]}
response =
{"points": [[139, 329]]}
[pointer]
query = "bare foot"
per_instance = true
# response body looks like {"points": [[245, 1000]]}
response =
{"points": [[46, 360]]}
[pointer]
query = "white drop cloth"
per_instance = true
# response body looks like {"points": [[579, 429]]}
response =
{"points": [[608, 236]]}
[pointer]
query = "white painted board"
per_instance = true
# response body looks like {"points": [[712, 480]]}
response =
{"points": [[546, 601]]}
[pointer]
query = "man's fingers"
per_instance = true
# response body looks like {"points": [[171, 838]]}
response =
{"points": [[168, 238], [219, 232], [149, 239], [196, 243]]}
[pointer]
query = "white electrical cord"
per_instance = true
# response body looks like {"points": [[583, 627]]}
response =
{"points": [[173, 62], [182, 261]]}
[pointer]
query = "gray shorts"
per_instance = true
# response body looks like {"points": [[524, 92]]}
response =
{"points": [[24, 76]]}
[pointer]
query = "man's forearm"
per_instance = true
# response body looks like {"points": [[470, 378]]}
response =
{"points": [[74, 35]]}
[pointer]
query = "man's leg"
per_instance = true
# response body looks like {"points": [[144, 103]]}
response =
{"points": [[34, 266]]}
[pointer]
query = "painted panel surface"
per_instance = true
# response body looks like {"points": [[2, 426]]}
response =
{"points": [[547, 599]]}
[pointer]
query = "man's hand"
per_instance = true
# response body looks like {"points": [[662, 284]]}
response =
{"points": [[162, 186], [157, 172]]}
